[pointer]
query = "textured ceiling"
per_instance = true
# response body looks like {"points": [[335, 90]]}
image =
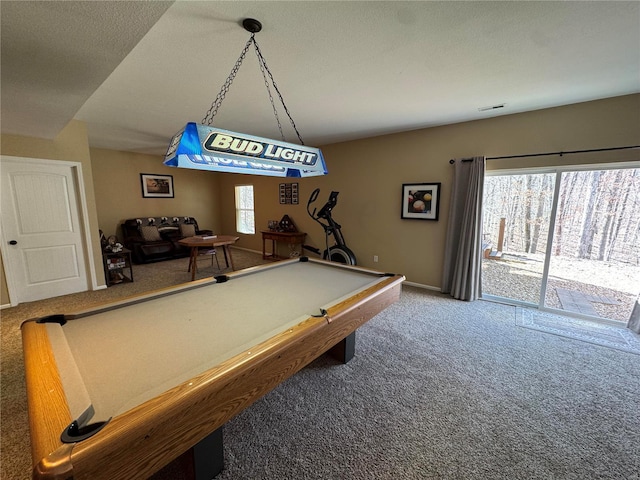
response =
{"points": [[137, 72]]}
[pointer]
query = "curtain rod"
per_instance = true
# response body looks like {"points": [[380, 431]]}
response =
{"points": [[464, 160], [452, 161]]}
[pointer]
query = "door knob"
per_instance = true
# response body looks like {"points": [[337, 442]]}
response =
{"points": [[13, 242]]}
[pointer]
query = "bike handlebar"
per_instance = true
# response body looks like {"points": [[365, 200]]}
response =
{"points": [[325, 211]]}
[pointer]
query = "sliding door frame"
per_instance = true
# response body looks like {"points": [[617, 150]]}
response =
{"points": [[559, 170]]}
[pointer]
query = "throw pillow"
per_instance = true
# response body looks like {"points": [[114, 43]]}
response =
{"points": [[187, 230], [150, 233]]}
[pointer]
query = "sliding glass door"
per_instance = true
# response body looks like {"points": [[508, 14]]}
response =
{"points": [[564, 240], [594, 262], [516, 213]]}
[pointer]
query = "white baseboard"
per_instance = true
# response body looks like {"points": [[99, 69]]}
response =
{"points": [[246, 249], [412, 284], [99, 287], [421, 285]]}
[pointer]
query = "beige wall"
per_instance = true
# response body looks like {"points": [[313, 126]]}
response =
{"points": [[70, 145], [116, 178], [368, 174]]}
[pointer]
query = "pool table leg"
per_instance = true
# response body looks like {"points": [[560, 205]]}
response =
{"points": [[202, 462], [208, 456], [345, 349]]}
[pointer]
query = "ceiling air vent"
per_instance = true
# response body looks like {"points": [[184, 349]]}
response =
{"points": [[493, 107]]}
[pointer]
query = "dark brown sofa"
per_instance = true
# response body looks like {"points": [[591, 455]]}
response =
{"points": [[151, 239]]}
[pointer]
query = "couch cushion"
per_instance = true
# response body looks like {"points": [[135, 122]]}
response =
{"points": [[150, 233], [187, 230]]}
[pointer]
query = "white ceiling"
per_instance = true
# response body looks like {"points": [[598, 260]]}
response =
{"points": [[137, 72]]}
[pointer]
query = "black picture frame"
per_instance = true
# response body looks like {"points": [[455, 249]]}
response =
{"points": [[421, 201], [289, 193], [156, 186]]}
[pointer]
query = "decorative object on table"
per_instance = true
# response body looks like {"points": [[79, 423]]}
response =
{"points": [[289, 193], [287, 225], [156, 186], [113, 245], [273, 225], [204, 147], [421, 201]]}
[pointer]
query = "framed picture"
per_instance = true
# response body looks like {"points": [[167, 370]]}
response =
{"points": [[289, 193], [421, 201], [156, 186]]}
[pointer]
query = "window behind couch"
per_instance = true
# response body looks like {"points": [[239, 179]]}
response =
{"points": [[245, 219]]}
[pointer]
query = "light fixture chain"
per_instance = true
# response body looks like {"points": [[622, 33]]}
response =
{"points": [[213, 110], [264, 62], [266, 84]]}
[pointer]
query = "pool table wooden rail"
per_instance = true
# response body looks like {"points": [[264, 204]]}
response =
{"points": [[142, 440]]}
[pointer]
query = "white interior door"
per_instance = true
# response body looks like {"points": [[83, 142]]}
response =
{"points": [[43, 249]]}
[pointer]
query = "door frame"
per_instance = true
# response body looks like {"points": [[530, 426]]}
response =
{"points": [[558, 171], [83, 216]]}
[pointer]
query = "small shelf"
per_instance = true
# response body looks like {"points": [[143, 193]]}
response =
{"points": [[117, 267]]}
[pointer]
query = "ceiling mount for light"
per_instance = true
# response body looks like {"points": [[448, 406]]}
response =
{"points": [[251, 25], [204, 147]]}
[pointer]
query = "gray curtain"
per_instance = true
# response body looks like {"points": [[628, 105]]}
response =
{"points": [[463, 249]]}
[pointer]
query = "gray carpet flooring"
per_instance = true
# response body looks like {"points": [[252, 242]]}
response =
{"points": [[438, 389]]}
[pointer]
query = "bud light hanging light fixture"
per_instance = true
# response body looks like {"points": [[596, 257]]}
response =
{"points": [[205, 147]]}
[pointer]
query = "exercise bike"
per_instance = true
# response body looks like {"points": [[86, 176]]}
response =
{"points": [[339, 252]]}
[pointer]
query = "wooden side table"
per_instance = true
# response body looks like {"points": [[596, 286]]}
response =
{"points": [[117, 267], [290, 238]]}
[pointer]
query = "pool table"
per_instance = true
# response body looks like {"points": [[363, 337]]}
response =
{"points": [[121, 390]]}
